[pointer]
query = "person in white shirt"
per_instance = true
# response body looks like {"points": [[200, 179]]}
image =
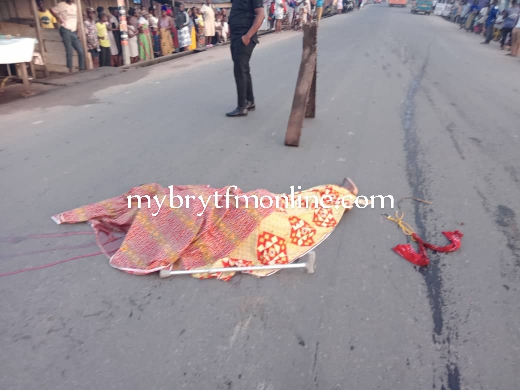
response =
{"points": [[278, 15], [154, 27], [66, 12], [208, 11], [152, 19], [225, 30], [304, 9], [266, 24]]}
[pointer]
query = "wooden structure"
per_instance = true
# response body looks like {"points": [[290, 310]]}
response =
{"points": [[39, 36], [304, 101], [19, 17]]}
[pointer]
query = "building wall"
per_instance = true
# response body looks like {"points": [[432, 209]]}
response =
{"points": [[16, 18], [14, 9], [24, 30], [20, 10]]}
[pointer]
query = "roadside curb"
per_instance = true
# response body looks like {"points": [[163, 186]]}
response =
{"points": [[82, 77], [158, 60]]}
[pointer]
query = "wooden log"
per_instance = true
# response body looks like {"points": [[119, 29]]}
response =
{"points": [[310, 110], [33, 72], [306, 76], [39, 35], [82, 37], [22, 72]]}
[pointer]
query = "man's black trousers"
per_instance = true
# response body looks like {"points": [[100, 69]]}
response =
{"points": [[241, 54]]}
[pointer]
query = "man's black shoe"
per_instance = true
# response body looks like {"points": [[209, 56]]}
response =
{"points": [[251, 106], [484, 43], [237, 112]]}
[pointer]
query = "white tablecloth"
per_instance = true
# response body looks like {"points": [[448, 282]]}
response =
{"points": [[16, 50]]}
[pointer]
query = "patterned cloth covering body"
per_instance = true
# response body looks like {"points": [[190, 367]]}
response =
{"points": [[212, 234]]}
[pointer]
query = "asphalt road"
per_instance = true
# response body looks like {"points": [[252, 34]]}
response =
{"points": [[407, 105]]}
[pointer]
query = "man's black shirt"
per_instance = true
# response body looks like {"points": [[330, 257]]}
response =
{"points": [[243, 15]]}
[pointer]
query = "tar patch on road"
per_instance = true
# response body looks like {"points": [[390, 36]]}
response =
{"points": [[506, 222], [416, 171]]}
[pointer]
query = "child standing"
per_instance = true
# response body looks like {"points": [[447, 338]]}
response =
{"points": [[104, 43]]}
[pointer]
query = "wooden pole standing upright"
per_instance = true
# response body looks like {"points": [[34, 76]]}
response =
{"points": [[39, 36], [82, 36], [310, 110], [304, 101], [21, 70], [123, 27]]}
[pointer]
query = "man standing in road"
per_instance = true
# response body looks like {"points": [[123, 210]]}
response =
{"points": [[67, 13], [490, 21], [245, 20]]}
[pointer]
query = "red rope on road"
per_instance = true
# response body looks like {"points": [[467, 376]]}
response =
{"points": [[19, 271], [51, 235], [48, 235]]}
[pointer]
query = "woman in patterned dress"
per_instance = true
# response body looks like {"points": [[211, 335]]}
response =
{"points": [[165, 32], [182, 24], [201, 36], [144, 39], [193, 32], [92, 36]]}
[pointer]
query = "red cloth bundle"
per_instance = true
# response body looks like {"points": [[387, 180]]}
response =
{"points": [[420, 258]]}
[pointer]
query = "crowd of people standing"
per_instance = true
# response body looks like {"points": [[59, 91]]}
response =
{"points": [[501, 25], [293, 13], [160, 32], [151, 35], [152, 32]]}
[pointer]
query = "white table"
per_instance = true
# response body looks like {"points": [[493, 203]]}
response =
{"points": [[18, 51]]}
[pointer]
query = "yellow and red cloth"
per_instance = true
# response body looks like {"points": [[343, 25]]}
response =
{"points": [[178, 238]]}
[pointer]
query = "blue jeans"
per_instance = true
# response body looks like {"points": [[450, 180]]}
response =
{"points": [[71, 40]]}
